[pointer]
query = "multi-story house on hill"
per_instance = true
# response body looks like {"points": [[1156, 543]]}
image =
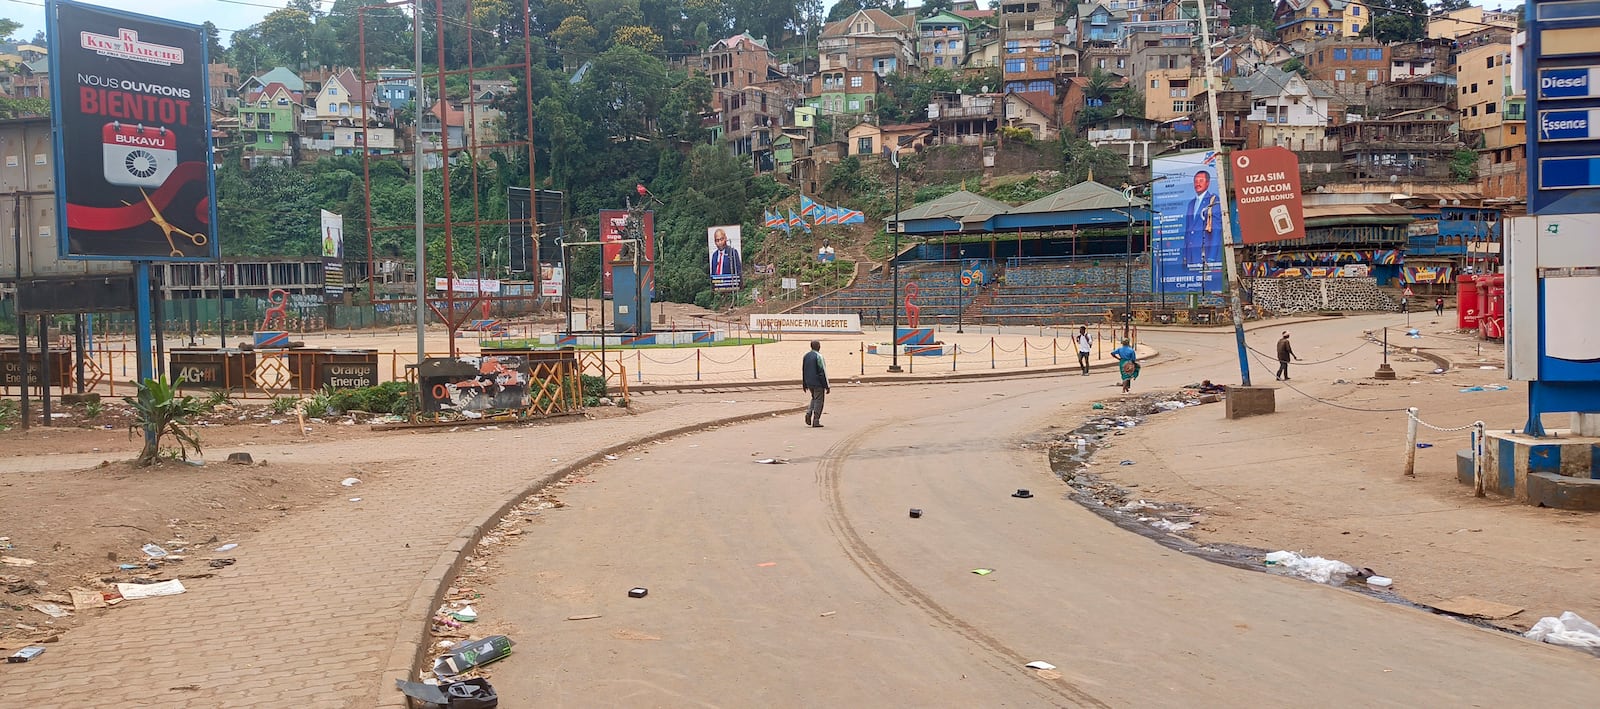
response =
{"points": [[1028, 53], [1350, 64], [870, 40], [1301, 22], [270, 106], [944, 39]]}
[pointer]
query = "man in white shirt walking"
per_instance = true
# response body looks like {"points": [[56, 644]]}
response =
{"points": [[1085, 345]]}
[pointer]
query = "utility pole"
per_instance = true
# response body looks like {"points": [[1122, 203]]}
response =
{"points": [[1230, 274], [417, 108], [894, 263]]}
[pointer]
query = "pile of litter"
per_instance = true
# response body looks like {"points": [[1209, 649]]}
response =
{"points": [[1310, 568], [1570, 629]]}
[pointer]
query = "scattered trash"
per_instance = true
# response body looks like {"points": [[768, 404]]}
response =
{"points": [[1570, 629], [1168, 525], [916, 513], [1380, 581], [25, 654], [1424, 445], [611, 457], [1312, 568], [638, 592], [347, 482], [1438, 370], [983, 572], [1022, 492], [773, 461], [1170, 405], [766, 564], [1485, 387], [1126, 462], [50, 609], [1476, 608], [128, 567], [136, 591], [230, 546], [473, 654], [1097, 406], [240, 459], [474, 693], [1487, 366], [355, 499], [14, 561], [220, 563], [586, 616], [1040, 665], [83, 599], [828, 614], [153, 551], [466, 615]]}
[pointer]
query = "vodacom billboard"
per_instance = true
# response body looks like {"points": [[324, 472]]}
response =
{"points": [[1266, 188]]}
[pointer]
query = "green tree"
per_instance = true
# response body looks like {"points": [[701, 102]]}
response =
{"points": [[1081, 159], [639, 37], [575, 38], [8, 27], [1399, 21]]}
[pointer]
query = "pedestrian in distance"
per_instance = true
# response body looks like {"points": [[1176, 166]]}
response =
{"points": [[1085, 345], [814, 379], [1128, 366], [1285, 353], [1438, 307]]}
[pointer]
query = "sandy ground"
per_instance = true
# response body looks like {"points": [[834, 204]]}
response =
{"points": [[1315, 478], [808, 583]]}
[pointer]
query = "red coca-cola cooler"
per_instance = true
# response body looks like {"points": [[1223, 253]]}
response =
{"points": [[1466, 303], [1492, 321]]}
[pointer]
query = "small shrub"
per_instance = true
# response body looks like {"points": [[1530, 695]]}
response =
{"points": [[92, 408], [283, 404], [215, 398], [159, 409], [8, 414], [318, 405]]}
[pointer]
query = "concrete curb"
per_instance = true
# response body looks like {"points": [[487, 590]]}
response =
{"points": [[411, 641], [883, 378]]}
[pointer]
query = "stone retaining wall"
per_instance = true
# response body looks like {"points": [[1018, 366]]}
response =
{"points": [[1298, 295]]}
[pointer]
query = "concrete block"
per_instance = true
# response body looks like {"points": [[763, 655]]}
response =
{"points": [[1561, 492], [1251, 401], [1513, 459], [1464, 466]]}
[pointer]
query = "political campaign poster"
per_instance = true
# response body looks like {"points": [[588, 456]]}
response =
{"points": [[1188, 231], [613, 229], [722, 246], [332, 257], [132, 136]]}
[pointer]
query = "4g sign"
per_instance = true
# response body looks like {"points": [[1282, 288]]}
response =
{"points": [[1267, 194]]}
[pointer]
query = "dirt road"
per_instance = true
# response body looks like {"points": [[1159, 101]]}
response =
{"points": [[808, 584]]}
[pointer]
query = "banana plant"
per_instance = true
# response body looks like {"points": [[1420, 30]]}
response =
{"points": [[160, 412]]}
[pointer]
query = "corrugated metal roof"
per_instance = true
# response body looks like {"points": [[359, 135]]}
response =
{"points": [[1340, 214], [960, 205], [1082, 197]]}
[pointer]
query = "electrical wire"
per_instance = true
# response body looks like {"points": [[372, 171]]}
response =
{"points": [[1320, 400]]}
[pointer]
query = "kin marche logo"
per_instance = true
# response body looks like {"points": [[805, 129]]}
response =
{"points": [[126, 45]]}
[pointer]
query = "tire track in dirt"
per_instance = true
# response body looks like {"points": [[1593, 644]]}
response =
{"points": [[830, 469]]}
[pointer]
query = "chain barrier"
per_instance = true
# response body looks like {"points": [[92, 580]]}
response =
{"points": [[1412, 412], [1265, 363], [1322, 361]]}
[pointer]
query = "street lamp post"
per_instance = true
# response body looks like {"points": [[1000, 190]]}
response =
{"points": [[894, 263], [961, 289], [1127, 268]]}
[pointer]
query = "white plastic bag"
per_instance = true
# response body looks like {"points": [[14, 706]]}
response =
{"points": [[1570, 629], [1311, 568]]}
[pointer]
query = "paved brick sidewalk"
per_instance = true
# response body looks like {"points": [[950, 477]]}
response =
{"points": [[309, 615]]}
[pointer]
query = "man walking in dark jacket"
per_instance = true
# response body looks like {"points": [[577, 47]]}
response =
{"points": [[1285, 353], [814, 379]]}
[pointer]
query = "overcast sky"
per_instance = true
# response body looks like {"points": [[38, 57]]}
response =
{"points": [[228, 17]]}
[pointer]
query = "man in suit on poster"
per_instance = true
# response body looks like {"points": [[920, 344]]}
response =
{"points": [[724, 257], [1201, 222]]}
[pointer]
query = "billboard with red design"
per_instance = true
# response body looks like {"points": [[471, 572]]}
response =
{"points": [[132, 136]]}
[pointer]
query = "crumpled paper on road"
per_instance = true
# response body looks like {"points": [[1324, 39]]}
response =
{"points": [[1310, 568], [1570, 629]]}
